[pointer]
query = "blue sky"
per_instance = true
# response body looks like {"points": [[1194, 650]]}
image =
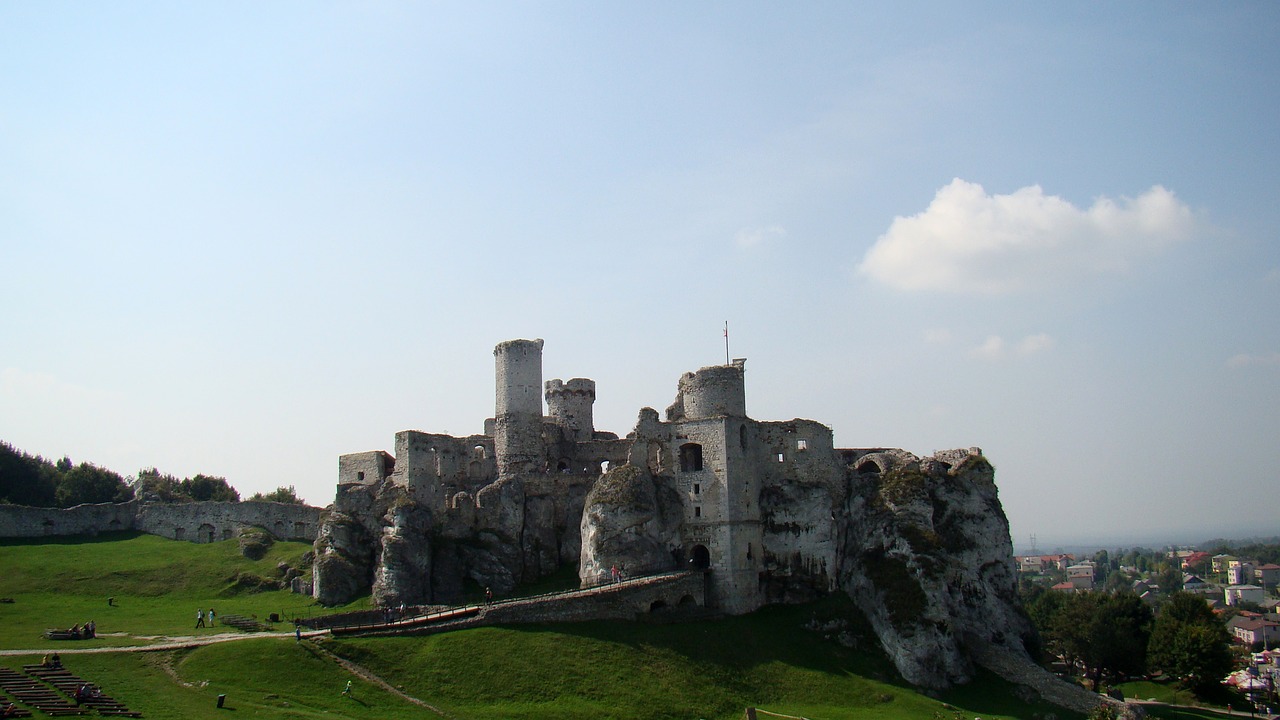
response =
{"points": [[242, 239]]}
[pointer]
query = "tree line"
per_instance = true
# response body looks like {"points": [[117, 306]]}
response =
{"points": [[34, 481], [1111, 637]]}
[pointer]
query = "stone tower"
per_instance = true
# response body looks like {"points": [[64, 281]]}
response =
{"points": [[720, 473], [569, 404], [517, 432]]}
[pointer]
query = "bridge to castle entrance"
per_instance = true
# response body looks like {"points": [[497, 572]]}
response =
{"points": [[674, 596]]}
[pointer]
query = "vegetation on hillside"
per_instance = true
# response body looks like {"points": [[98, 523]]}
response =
{"points": [[818, 660]]}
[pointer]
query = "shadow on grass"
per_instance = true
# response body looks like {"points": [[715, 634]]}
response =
{"points": [[72, 539], [776, 633]]}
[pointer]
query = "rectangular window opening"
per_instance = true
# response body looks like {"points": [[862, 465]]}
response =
{"points": [[697, 488], [802, 445], [697, 512], [781, 457]]}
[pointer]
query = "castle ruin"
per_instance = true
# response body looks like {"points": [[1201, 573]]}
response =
{"points": [[769, 511]]}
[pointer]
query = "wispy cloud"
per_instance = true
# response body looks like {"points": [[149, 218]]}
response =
{"points": [[1033, 344], [1249, 360], [967, 241], [755, 237], [937, 336], [991, 349], [996, 348]]}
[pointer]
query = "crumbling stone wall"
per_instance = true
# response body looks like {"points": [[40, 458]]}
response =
{"points": [[193, 522]]}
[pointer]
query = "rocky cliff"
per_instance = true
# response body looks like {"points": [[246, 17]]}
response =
{"points": [[922, 547]]}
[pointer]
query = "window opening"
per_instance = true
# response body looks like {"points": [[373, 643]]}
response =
{"points": [[690, 457], [697, 511], [697, 488], [802, 445]]}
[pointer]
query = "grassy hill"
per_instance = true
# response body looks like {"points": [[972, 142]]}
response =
{"points": [[711, 669]]}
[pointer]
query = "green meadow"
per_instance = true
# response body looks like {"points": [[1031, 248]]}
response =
{"points": [[707, 669]]}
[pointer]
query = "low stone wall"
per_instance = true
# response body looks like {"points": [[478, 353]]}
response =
{"points": [[677, 595], [21, 521], [194, 522], [607, 602]]}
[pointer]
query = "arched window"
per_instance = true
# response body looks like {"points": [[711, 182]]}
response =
{"points": [[690, 457], [869, 467]]}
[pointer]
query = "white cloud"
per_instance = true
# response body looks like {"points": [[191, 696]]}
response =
{"points": [[755, 237], [991, 349], [996, 348], [1033, 344], [937, 336], [969, 241], [1247, 360]]}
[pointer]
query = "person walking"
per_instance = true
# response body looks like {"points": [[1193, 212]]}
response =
{"points": [[199, 617], [210, 617], [347, 690]]}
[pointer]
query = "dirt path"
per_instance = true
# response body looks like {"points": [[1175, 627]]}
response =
{"points": [[369, 676], [165, 643], [188, 641]]}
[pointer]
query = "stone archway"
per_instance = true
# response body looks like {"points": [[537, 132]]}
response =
{"points": [[700, 557]]}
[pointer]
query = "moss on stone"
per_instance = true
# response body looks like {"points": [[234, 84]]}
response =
{"points": [[255, 542], [620, 487], [903, 596], [904, 485]]}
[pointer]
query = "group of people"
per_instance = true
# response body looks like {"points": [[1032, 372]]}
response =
{"points": [[86, 692], [52, 661], [88, 631], [200, 616]]}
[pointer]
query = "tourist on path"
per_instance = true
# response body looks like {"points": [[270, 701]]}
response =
{"points": [[200, 617], [210, 617]]}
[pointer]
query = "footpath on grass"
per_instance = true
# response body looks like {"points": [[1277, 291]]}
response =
{"points": [[160, 642]]}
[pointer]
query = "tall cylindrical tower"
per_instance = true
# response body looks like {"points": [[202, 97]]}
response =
{"points": [[714, 391], [570, 405], [517, 433]]}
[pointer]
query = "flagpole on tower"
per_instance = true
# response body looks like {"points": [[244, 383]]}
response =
{"points": [[726, 342]]}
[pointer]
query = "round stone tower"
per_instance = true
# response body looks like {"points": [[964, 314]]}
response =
{"points": [[517, 431], [714, 391], [570, 405]]}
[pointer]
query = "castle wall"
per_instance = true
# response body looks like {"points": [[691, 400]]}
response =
{"points": [[802, 482], [366, 468], [436, 467], [21, 521], [212, 521], [194, 522]]}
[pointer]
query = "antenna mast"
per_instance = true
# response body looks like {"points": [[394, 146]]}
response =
{"points": [[726, 342]]}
